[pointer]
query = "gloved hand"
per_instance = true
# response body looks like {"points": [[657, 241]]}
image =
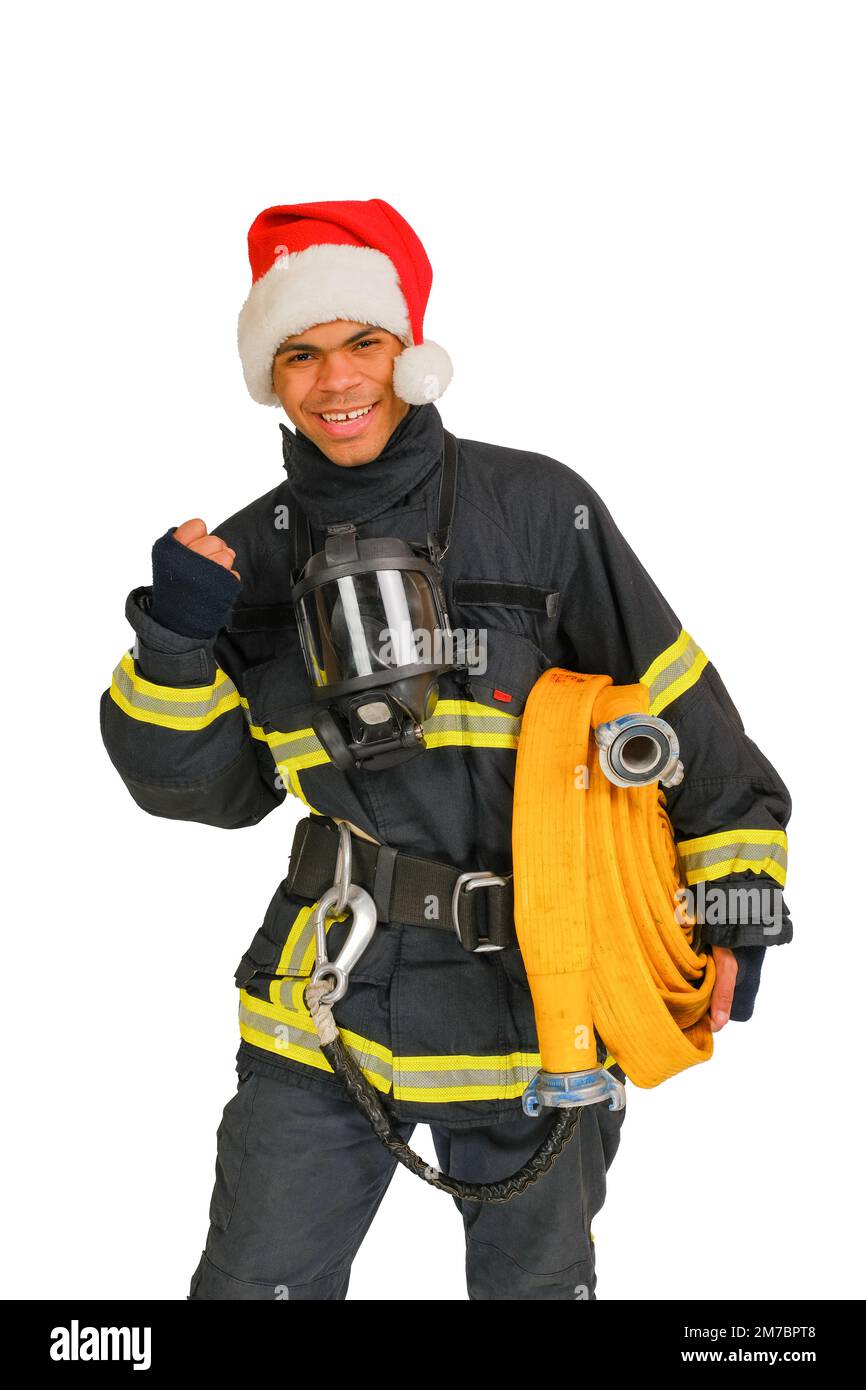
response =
{"points": [[194, 586], [738, 974], [750, 959]]}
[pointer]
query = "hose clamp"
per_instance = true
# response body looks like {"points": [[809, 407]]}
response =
{"points": [[565, 1090]]}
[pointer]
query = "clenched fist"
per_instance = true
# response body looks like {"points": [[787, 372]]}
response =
{"points": [[195, 536], [192, 596]]}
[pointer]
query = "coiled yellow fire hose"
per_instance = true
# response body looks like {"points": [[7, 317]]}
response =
{"points": [[604, 938]]}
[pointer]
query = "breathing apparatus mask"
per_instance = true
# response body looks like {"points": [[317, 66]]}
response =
{"points": [[375, 636]]}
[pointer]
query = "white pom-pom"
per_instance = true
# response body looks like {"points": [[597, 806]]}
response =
{"points": [[422, 373]]}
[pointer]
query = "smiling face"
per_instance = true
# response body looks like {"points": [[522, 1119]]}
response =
{"points": [[335, 369]]}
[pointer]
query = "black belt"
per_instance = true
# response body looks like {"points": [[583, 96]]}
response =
{"points": [[406, 888]]}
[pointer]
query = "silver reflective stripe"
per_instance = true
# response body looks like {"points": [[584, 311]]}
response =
{"points": [[278, 1029], [494, 723], [723, 854], [301, 946], [296, 748], [674, 673], [461, 1078], [294, 966], [286, 1035]]}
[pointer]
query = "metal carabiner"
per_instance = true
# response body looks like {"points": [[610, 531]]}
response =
{"points": [[363, 925], [337, 896]]}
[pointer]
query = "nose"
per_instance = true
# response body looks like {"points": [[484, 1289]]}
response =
{"points": [[338, 373]]}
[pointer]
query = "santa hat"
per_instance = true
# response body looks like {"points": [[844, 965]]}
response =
{"points": [[316, 262]]}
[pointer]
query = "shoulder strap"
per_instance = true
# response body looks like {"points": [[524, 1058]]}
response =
{"points": [[302, 540], [439, 540]]}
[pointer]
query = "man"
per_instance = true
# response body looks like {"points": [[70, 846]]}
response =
{"points": [[209, 719]]}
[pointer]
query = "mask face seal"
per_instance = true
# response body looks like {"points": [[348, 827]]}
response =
{"points": [[375, 637]]}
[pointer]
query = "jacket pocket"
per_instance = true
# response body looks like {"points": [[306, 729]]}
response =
{"points": [[503, 669]]}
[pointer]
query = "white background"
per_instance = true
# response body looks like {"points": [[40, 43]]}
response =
{"points": [[647, 225]]}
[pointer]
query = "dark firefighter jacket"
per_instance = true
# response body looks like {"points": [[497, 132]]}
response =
{"points": [[218, 731]]}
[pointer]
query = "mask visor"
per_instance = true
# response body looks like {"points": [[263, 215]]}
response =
{"points": [[371, 624]]}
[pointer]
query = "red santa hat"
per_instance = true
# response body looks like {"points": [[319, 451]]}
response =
{"points": [[316, 262]]}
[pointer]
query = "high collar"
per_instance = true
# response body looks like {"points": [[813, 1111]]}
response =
{"points": [[329, 493]]}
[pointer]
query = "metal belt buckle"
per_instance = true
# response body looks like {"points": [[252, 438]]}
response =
{"points": [[480, 878]]}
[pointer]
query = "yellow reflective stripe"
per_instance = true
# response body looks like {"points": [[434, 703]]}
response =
{"points": [[445, 1095], [453, 724], [467, 724], [439, 1080], [282, 1025], [179, 694], [663, 661], [293, 945], [281, 1045], [467, 1061], [298, 749], [733, 851], [298, 955], [288, 997], [292, 753], [185, 708], [442, 1080], [291, 1033], [674, 672], [288, 994], [455, 739]]}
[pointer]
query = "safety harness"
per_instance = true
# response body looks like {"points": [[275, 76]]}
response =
{"points": [[407, 888]]}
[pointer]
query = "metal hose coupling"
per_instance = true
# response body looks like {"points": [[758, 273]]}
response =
{"points": [[638, 749], [565, 1090]]}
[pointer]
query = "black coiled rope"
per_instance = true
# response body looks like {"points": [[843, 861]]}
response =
{"points": [[368, 1101]]}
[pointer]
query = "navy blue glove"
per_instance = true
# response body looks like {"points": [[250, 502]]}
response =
{"points": [[750, 959], [192, 595]]}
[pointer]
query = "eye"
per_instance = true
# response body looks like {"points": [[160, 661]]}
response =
{"points": [[363, 342], [297, 357]]}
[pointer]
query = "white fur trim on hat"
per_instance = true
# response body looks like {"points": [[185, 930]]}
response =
{"points": [[318, 285], [422, 373]]}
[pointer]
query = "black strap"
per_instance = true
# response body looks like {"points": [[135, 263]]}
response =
{"points": [[386, 1128], [383, 882], [302, 541], [406, 888], [439, 540]]}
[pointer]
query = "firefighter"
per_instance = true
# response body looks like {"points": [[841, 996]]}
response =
{"points": [[253, 676]]}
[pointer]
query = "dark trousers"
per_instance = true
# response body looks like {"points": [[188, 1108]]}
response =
{"points": [[300, 1175]]}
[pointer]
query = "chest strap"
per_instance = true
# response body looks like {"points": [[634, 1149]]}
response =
{"points": [[477, 906]]}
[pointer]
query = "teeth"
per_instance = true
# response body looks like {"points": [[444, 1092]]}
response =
{"points": [[350, 415]]}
